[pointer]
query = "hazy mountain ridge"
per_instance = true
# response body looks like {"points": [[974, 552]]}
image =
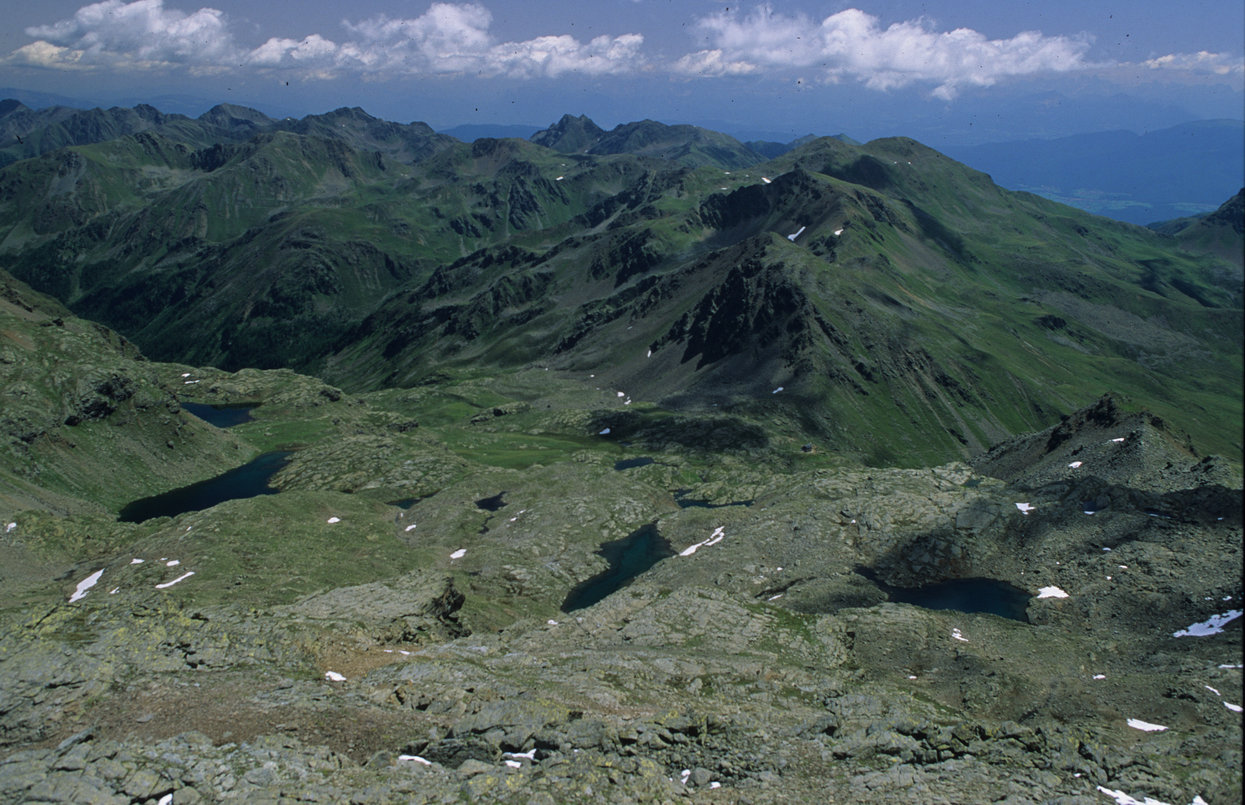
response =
{"points": [[1140, 178], [897, 288], [682, 144]]}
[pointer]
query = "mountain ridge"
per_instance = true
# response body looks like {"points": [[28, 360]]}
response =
{"points": [[878, 283]]}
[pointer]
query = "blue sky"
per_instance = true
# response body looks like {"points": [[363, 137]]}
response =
{"points": [[970, 70]]}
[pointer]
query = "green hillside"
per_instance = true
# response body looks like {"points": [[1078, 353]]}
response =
{"points": [[909, 309]]}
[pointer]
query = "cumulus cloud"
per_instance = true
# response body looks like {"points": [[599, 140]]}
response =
{"points": [[456, 38], [854, 45], [712, 63], [448, 39], [138, 33], [1200, 62]]}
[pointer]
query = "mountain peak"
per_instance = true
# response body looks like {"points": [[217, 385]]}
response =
{"points": [[1230, 214], [10, 105], [570, 135], [352, 112], [228, 114]]}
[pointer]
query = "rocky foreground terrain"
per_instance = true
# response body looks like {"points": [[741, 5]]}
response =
{"points": [[336, 642]]}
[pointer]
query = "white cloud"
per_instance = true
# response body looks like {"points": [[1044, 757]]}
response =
{"points": [[456, 39], [45, 54], [447, 39], [853, 44], [140, 33], [708, 63], [1200, 62]]}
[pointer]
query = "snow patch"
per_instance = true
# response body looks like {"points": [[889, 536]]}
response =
{"points": [[1211, 626], [775, 391], [1145, 726], [1124, 799], [1236, 708], [85, 585], [1074, 465], [415, 759], [766, 180], [1099, 676], [173, 563], [714, 538], [137, 561], [796, 234], [459, 554], [168, 584], [959, 636], [605, 432], [333, 676], [334, 520], [1025, 508], [528, 755], [1051, 592], [410, 527], [838, 232], [10, 527]]}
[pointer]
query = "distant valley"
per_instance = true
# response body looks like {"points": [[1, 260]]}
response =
{"points": [[1140, 178]]}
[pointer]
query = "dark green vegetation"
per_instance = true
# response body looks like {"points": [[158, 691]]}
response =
{"points": [[921, 314], [487, 432]]}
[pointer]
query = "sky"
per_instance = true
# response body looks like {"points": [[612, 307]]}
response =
{"points": [[960, 71]]}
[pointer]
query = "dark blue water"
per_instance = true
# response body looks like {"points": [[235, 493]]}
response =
{"points": [[684, 502], [491, 504], [222, 416], [628, 558], [247, 481], [962, 595], [628, 463]]}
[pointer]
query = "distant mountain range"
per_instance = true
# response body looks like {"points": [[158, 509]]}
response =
{"points": [[895, 303], [1139, 178]]}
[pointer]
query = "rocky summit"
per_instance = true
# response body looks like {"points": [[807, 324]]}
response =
{"points": [[633, 481]]}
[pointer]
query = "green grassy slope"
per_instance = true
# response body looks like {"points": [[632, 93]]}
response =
{"points": [[909, 309]]}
